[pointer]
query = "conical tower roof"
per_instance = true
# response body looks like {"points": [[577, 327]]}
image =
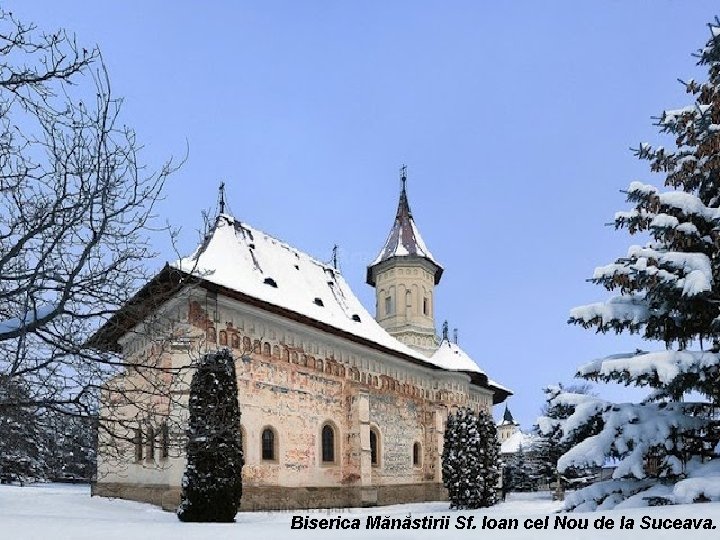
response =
{"points": [[404, 240], [507, 418]]}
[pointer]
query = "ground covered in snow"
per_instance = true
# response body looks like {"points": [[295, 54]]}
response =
{"points": [[52, 511]]}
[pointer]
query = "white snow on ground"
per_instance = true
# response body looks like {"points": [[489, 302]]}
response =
{"points": [[58, 512]]}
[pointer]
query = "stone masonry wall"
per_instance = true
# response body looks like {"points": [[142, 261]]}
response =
{"points": [[293, 380]]}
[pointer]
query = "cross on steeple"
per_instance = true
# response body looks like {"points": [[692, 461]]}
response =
{"points": [[403, 176], [221, 197], [335, 256]]}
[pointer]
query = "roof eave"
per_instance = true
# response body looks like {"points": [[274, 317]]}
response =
{"points": [[170, 279], [481, 380], [153, 294], [371, 269]]}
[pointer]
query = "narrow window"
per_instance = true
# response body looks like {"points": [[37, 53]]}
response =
{"points": [[150, 443], [164, 441], [388, 305], [425, 306], [328, 444], [268, 445], [138, 444], [417, 460], [373, 447], [243, 444], [223, 338]]}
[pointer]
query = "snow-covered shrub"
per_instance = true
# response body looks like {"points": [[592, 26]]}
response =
{"points": [[212, 484], [470, 460]]}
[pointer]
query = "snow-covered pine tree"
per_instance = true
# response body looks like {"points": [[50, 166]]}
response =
{"points": [[520, 472], [212, 484], [470, 460], [551, 439], [70, 443], [22, 450], [669, 291]]}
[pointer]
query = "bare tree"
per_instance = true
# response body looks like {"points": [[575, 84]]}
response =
{"points": [[76, 216]]}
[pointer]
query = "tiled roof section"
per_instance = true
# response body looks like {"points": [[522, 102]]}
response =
{"points": [[404, 239]]}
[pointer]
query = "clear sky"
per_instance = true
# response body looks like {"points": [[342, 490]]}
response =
{"points": [[515, 120]]}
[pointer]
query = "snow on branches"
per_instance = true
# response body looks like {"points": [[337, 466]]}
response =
{"points": [[668, 292], [470, 460], [212, 483]]}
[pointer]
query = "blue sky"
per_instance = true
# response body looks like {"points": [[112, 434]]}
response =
{"points": [[515, 120]]}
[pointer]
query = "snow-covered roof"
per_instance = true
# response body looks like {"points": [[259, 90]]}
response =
{"points": [[243, 259], [246, 260], [513, 443], [404, 240], [450, 356]]}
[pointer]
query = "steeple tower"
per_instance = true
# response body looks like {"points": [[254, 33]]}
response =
{"points": [[507, 426], [404, 275]]}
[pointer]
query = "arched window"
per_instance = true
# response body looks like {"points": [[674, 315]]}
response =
{"points": [[374, 447], [266, 349], [417, 455], [269, 445], [328, 444], [223, 338], [408, 304]]}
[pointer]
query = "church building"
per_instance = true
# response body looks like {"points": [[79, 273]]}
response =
{"points": [[338, 408]]}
